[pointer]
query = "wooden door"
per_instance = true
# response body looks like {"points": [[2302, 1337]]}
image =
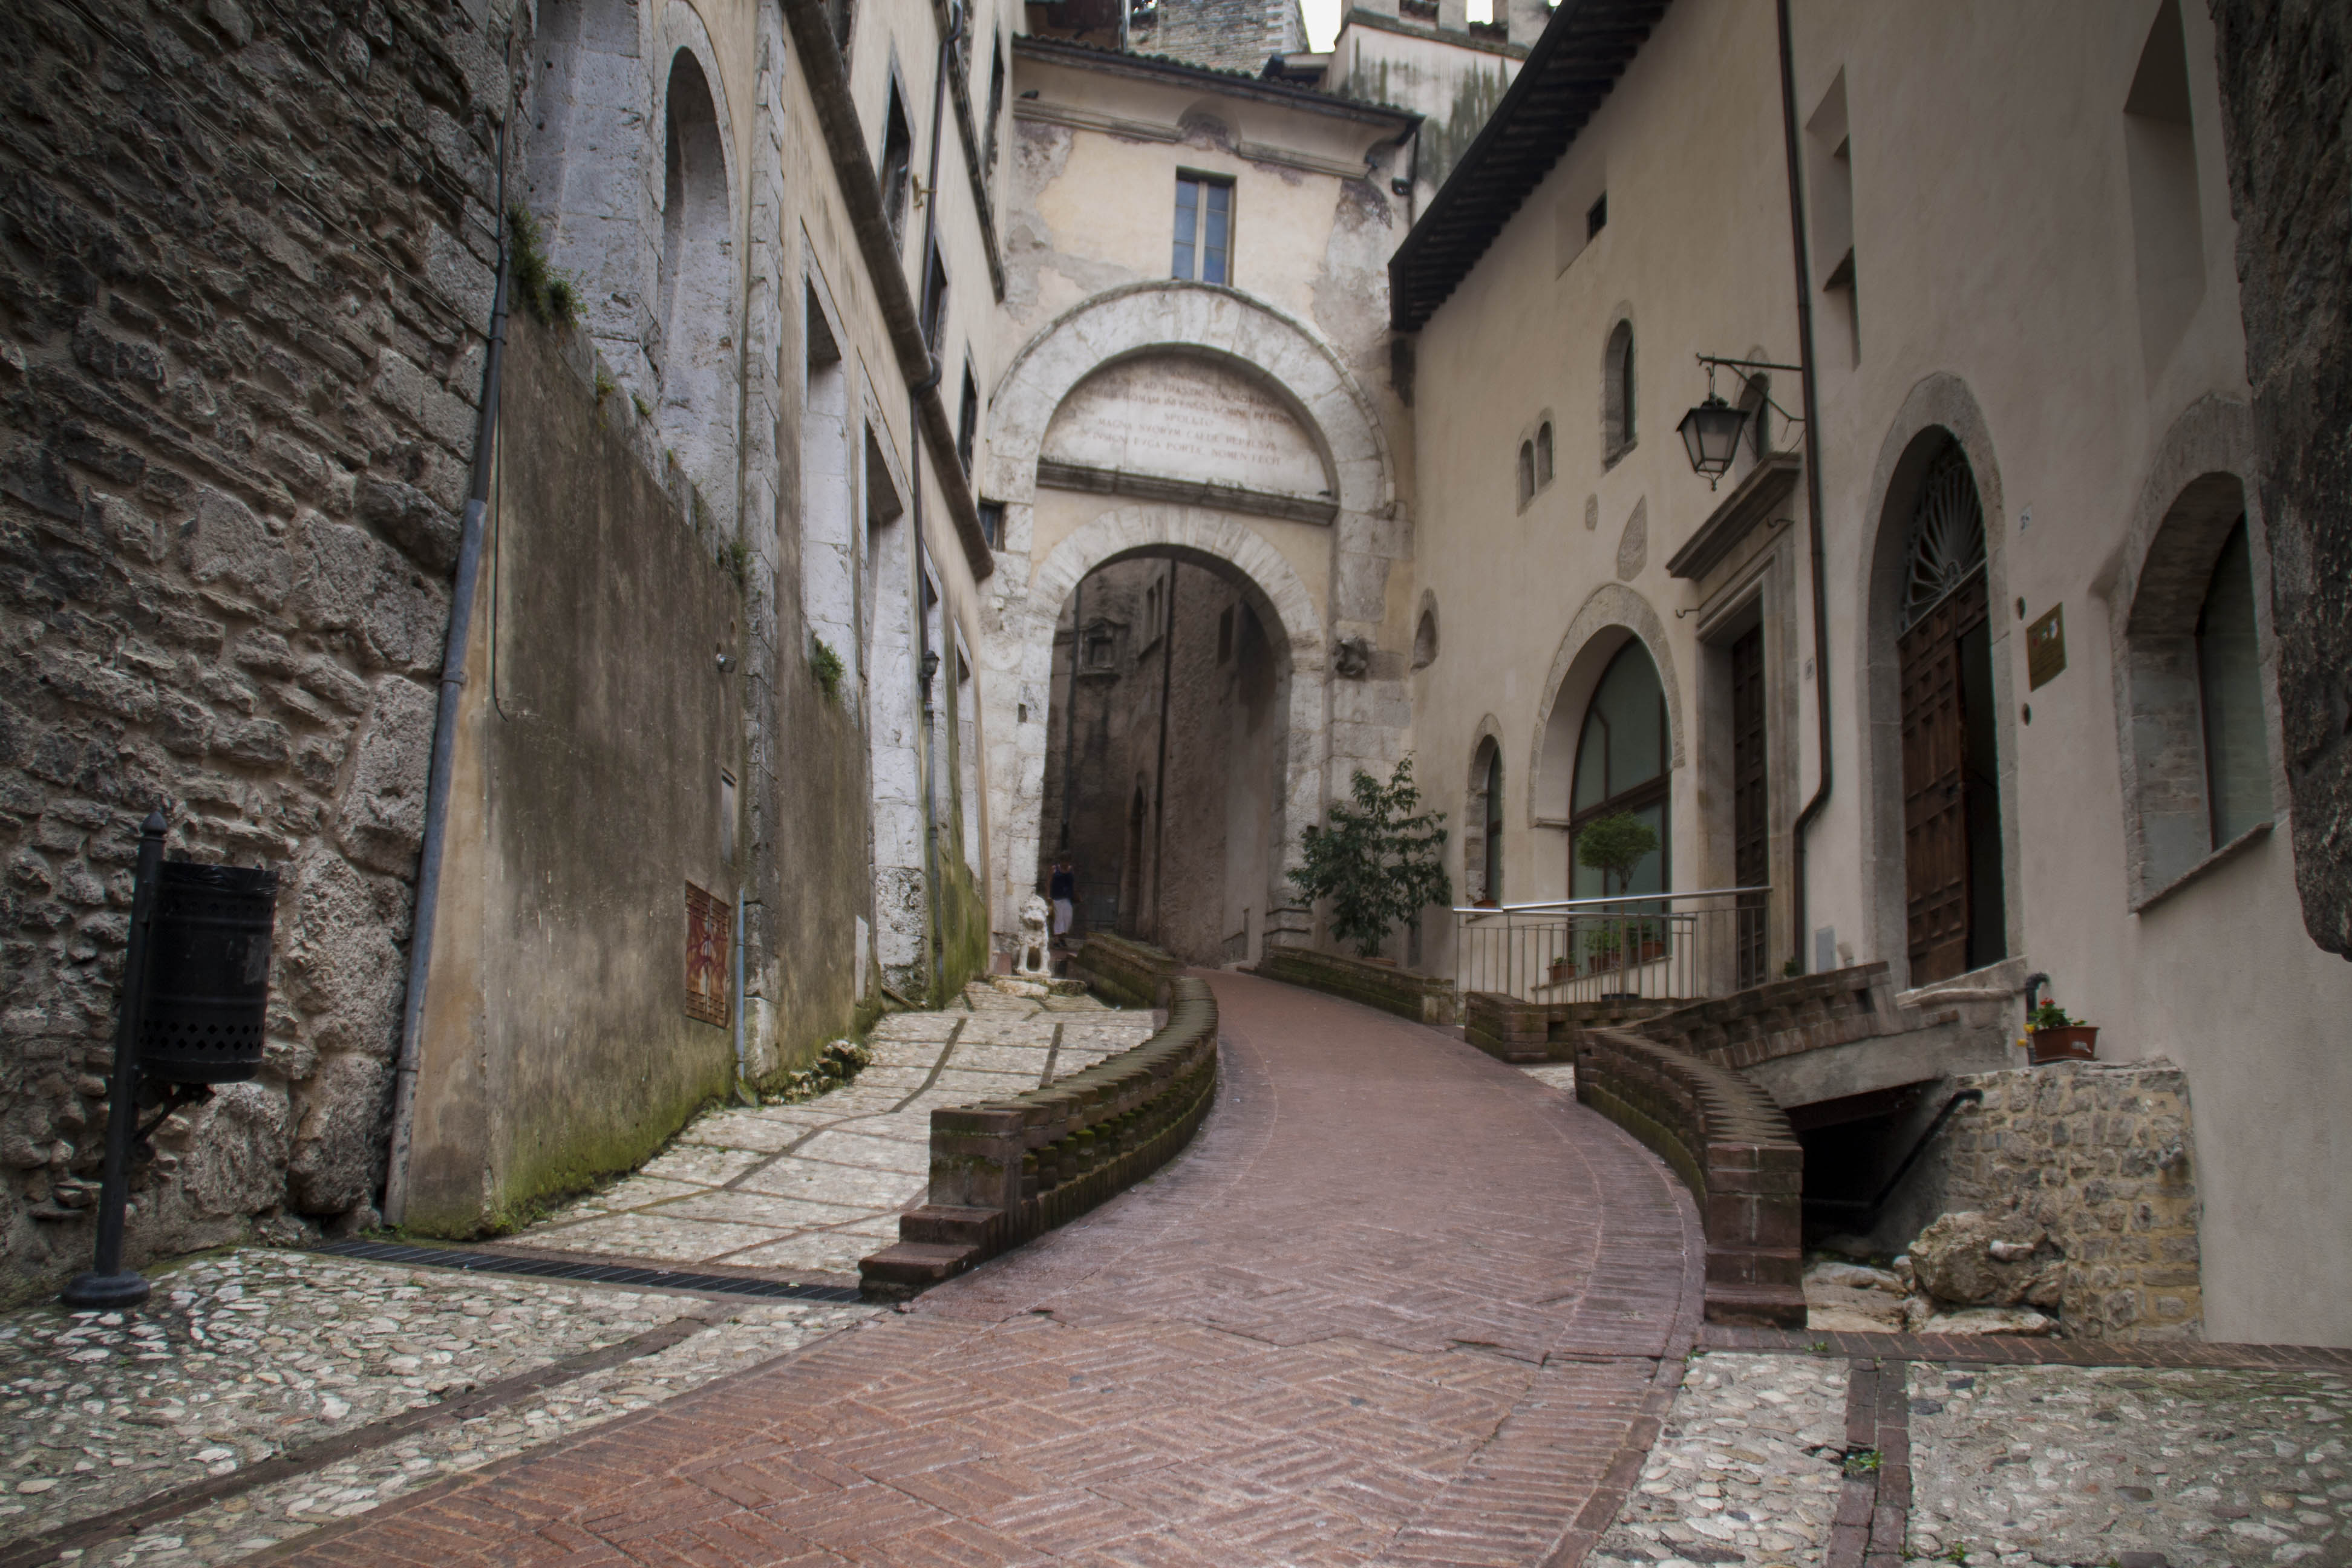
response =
{"points": [[1936, 785], [1751, 860]]}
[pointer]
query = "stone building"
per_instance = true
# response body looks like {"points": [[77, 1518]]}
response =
{"points": [[1966, 661], [720, 671], [928, 438]]}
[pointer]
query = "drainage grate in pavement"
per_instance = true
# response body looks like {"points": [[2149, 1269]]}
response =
{"points": [[592, 1273]]}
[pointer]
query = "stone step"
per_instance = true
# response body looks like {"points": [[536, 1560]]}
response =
{"points": [[946, 1225], [905, 1268]]}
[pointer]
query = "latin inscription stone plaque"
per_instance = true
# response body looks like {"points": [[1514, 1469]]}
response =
{"points": [[1177, 417]]}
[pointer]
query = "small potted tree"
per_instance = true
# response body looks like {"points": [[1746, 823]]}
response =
{"points": [[2059, 1039], [1614, 846]]}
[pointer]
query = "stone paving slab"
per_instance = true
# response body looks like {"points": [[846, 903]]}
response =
{"points": [[243, 1356], [1334, 1330], [807, 1189], [2056, 1465], [1748, 1468]]}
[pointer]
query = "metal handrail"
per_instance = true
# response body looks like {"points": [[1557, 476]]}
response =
{"points": [[1589, 903]]}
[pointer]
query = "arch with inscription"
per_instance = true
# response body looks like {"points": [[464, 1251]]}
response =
{"points": [[1291, 434]]}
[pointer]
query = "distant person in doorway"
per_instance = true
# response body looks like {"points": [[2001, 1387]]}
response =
{"points": [[1063, 889]]}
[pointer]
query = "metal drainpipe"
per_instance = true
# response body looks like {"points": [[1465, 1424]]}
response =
{"points": [[915, 471], [445, 732], [1813, 491]]}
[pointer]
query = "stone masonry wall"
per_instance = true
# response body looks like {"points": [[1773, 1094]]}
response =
{"points": [[245, 264], [2099, 1156], [2285, 99]]}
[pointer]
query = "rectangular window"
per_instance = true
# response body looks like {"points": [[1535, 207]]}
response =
{"points": [[967, 421], [991, 522], [935, 300], [1205, 229]]}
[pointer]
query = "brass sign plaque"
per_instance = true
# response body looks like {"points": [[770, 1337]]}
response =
{"points": [[2045, 649], [709, 933]]}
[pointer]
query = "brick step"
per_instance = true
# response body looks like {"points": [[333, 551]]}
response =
{"points": [[904, 1267], [946, 1225]]}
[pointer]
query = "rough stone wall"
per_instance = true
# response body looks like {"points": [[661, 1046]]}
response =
{"points": [[2100, 1157], [2286, 97], [1223, 35], [246, 258]]}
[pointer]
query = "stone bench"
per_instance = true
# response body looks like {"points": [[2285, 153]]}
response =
{"points": [[1005, 1170]]}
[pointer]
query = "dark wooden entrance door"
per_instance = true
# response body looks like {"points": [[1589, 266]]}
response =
{"points": [[1936, 781], [1751, 860]]}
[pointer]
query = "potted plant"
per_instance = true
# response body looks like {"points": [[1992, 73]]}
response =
{"points": [[2059, 1039]]}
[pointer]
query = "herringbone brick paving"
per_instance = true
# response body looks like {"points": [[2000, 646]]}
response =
{"points": [[1396, 1305]]}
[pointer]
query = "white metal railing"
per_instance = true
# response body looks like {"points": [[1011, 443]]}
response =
{"points": [[1646, 946]]}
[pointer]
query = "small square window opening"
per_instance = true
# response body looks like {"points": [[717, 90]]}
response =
{"points": [[1596, 217]]}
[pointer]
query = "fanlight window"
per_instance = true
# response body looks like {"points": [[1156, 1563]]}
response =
{"points": [[1623, 758], [1948, 535]]}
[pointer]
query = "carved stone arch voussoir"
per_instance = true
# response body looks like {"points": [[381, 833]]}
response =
{"points": [[1203, 319]]}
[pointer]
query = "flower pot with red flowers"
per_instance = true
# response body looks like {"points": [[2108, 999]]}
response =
{"points": [[2058, 1039]]}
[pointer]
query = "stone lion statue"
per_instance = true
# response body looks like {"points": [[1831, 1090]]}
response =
{"points": [[1035, 956]]}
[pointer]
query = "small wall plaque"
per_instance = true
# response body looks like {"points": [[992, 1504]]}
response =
{"points": [[2045, 649], [709, 940]]}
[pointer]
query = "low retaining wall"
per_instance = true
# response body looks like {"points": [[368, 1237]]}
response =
{"points": [[1512, 1030], [1424, 998], [2100, 1155], [1007, 1170], [1735, 1151], [1119, 969]]}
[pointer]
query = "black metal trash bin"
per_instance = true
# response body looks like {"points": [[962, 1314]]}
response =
{"points": [[208, 974]]}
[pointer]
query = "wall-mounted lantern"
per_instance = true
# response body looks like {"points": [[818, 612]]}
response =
{"points": [[1711, 436], [1711, 431]]}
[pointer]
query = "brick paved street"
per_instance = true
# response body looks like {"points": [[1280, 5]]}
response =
{"points": [[1396, 1304]]}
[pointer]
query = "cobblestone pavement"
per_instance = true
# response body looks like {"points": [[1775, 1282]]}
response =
{"points": [[243, 1356], [2066, 1465], [1334, 1330], [812, 1188], [1746, 1469]]}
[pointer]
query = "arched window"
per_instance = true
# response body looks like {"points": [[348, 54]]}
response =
{"points": [[1617, 393], [1623, 758], [2230, 685], [1755, 400], [1526, 471], [1482, 847], [1543, 454], [1424, 638], [694, 356]]}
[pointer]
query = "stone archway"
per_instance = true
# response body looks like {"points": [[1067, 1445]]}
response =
{"points": [[1282, 604], [1368, 536], [1939, 405]]}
